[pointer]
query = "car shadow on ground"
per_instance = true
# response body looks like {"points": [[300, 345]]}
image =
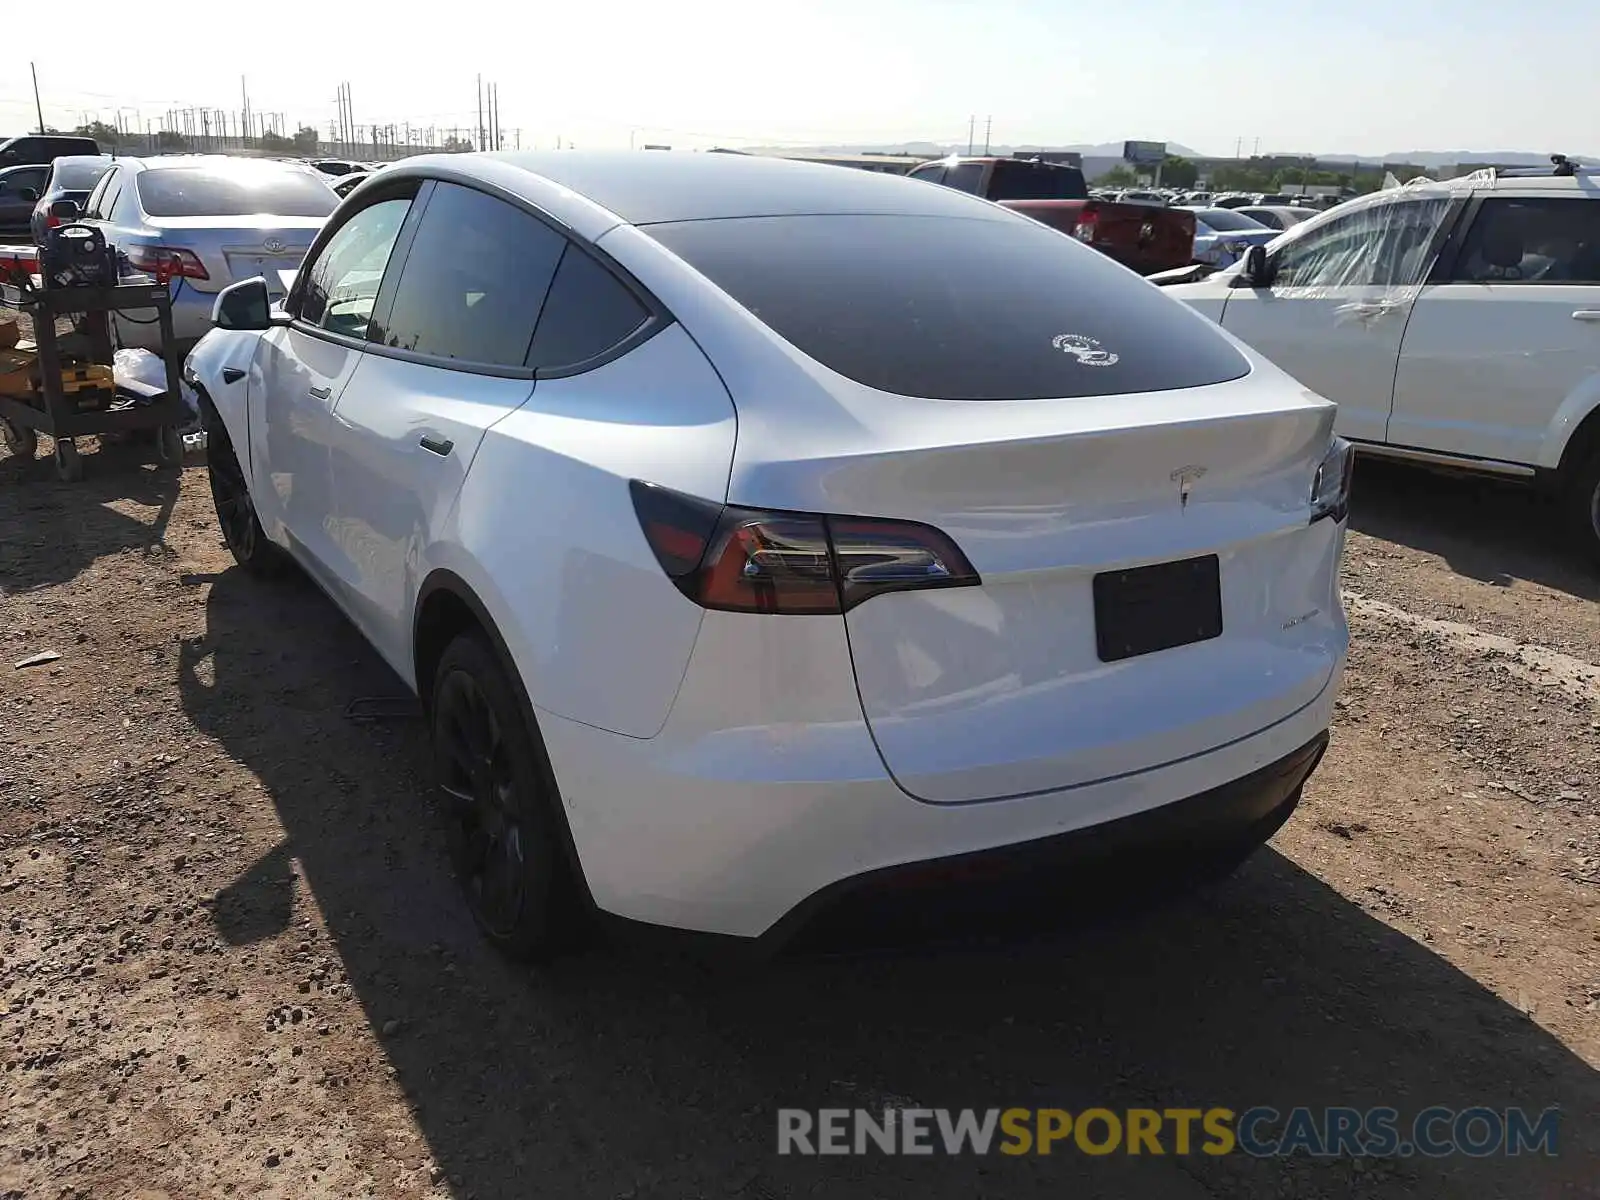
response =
{"points": [[621, 1073], [50, 531], [1487, 529]]}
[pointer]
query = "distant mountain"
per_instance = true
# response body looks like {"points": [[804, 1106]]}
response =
{"points": [[1430, 159], [937, 150]]}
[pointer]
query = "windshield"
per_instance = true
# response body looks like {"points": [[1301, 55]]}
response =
{"points": [[234, 192], [955, 309], [1228, 221]]}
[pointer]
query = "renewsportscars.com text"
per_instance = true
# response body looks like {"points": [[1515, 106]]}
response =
{"points": [[1261, 1132]]}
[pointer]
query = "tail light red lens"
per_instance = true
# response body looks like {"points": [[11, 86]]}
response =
{"points": [[747, 560], [1087, 226], [166, 263]]}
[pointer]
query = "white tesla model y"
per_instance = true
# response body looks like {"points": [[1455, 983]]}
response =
{"points": [[755, 531]]}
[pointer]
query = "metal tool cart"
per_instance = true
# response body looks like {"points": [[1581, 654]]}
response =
{"points": [[71, 402]]}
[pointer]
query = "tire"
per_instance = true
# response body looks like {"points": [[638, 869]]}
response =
{"points": [[69, 464], [230, 495], [22, 442], [1583, 507], [507, 840]]}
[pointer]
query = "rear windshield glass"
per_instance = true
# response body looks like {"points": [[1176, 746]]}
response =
{"points": [[1229, 221], [78, 177], [956, 309], [206, 192]]}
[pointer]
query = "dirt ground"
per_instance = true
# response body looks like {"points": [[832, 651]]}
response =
{"points": [[232, 962]]}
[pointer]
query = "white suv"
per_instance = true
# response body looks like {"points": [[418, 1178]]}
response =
{"points": [[1455, 324], [752, 529]]}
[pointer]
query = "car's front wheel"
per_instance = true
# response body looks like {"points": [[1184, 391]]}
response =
{"points": [[236, 512], [504, 841]]}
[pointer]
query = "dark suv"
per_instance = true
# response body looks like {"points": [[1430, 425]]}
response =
{"points": [[43, 148]]}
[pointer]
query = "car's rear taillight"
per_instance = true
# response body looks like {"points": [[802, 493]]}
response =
{"points": [[1088, 225], [748, 560], [166, 262]]}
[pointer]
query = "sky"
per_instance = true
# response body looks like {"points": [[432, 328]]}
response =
{"points": [[1355, 77]]}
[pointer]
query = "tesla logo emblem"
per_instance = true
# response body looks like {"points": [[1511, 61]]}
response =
{"points": [[273, 245], [1185, 478]]}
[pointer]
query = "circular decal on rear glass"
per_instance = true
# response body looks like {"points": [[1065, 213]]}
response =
{"points": [[1087, 350]]}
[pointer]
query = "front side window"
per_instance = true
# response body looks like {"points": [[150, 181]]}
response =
{"points": [[1545, 240], [341, 283], [474, 280], [952, 308], [1386, 244], [928, 173]]}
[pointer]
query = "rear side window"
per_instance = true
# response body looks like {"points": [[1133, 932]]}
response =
{"points": [[1554, 240], [109, 195], [964, 177], [587, 312], [474, 280], [234, 192], [956, 309], [1015, 180]]}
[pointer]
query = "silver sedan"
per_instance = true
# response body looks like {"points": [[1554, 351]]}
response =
{"points": [[203, 222]]}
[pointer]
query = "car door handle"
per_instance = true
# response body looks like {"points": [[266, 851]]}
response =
{"points": [[320, 393], [436, 445], [1586, 314], [231, 374]]}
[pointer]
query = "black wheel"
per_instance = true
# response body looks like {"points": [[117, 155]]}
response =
{"points": [[1583, 507], [169, 445], [505, 844], [69, 465], [22, 442], [236, 512]]}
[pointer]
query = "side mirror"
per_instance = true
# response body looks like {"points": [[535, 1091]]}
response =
{"points": [[65, 210], [28, 194], [244, 305], [1255, 271]]}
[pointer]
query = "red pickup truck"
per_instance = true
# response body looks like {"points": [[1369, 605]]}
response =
{"points": [[1143, 237]]}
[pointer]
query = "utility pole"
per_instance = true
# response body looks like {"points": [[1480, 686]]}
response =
{"points": [[972, 128], [480, 112], [988, 124], [37, 107]]}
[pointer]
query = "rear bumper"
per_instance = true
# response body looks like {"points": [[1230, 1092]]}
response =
{"points": [[191, 319], [734, 824], [991, 889]]}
